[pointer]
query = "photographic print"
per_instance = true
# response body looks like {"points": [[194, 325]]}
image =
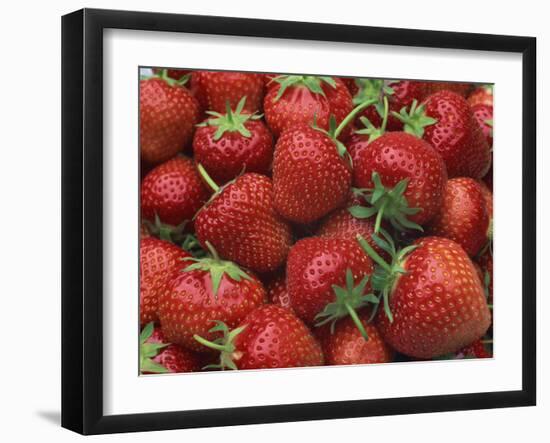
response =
{"points": [[292, 220]]}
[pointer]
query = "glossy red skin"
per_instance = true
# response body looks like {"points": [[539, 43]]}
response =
{"points": [[341, 224], [456, 135], [277, 293], [346, 345], [174, 357], [214, 89], [315, 264], [481, 96], [168, 115], [474, 350], [174, 191], [242, 225], [310, 178], [482, 113], [404, 93], [397, 156], [226, 158], [298, 105], [439, 305], [159, 260], [463, 217], [350, 84], [275, 338], [188, 306], [488, 197], [462, 89]]}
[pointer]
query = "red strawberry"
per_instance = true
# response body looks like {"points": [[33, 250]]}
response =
{"points": [[434, 303], [321, 276], [399, 93], [158, 261], [241, 222], [346, 346], [215, 89], [143, 230], [277, 293], [173, 191], [176, 74], [484, 116], [293, 100], [482, 95], [168, 114], [485, 261], [158, 357], [311, 175], [207, 289], [228, 144], [446, 122], [463, 216], [269, 337], [404, 178], [462, 89]]}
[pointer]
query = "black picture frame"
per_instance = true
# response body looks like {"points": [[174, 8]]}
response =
{"points": [[82, 216]]}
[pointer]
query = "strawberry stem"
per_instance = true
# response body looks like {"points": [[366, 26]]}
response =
{"points": [[207, 178], [351, 116]]}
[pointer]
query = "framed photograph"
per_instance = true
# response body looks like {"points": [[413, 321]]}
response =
{"points": [[271, 221]]}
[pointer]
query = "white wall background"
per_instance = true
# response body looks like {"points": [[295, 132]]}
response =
{"points": [[30, 222]]}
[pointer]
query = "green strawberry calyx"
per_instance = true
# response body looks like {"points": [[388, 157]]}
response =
{"points": [[166, 232], [163, 75], [216, 267], [225, 345], [348, 300], [372, 89], [372, 131], [387, 204], [415, 120], [335, 129], [385, 274], [148, 351], [311, 82], [231, 121]]}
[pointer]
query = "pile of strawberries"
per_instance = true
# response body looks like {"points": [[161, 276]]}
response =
{"points": [[291, 221]]}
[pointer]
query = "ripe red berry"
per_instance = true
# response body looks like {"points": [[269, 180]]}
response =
{"points": [[229, 144], [463, 217], [241, 223], [168, 113], [269, 337], [173, 191]]}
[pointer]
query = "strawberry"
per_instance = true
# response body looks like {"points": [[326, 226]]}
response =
{"points": [[241, 222], [168, 113], [399, 94], [269, 337], [402, 177], [228, 144], [215, 89], [321, 280], [462, 89], [158, 357], [346, 346], [293, 100], [159, 260], [485, 262], [207, 289], [484, 117], [446, 122], [433, 301], [277, 293], [173, 191], [482, 95], [312, 170], [463, 217], [143, 230]]}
